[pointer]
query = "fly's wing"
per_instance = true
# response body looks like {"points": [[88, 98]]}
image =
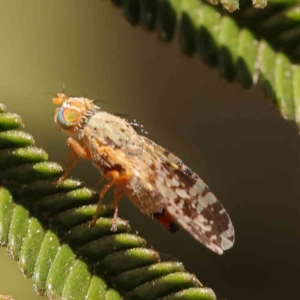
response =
{"points": [[188, 199]]}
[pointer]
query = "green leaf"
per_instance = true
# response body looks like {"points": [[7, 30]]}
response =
{"points": [[78, 282], [45, 227], [17, 230], [136, 277], [59, 272], [6, 213], [170, 283], [11, 138], [47, 253], [31, 247]]}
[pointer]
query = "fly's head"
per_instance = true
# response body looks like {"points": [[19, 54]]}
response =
{"points": [[73, 112]]}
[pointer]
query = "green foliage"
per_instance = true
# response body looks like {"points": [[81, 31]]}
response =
{"points": [[45, 228], [249, 46]]}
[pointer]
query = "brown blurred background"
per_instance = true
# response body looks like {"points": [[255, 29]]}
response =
{"points": [[236, 141]]}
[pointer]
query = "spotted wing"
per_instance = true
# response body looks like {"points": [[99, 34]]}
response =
{"points": [[189, 200]]}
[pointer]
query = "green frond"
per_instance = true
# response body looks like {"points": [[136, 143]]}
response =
{"points": [[45, 228], [249, 46]]}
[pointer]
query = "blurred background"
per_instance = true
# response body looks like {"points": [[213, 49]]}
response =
{"points": [[235, 140]]}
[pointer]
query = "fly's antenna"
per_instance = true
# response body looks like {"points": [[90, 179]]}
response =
{"points": [[50, 93], [59, 99], [100, 101]]}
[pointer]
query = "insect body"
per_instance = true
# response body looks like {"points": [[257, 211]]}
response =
{"points": [[154, 179]]}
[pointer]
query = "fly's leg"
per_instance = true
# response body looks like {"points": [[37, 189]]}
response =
{"points": [[99, 183], [74, 159], [63, 162], [118, 195], [102, 194], [77, 150], [115, 178]]}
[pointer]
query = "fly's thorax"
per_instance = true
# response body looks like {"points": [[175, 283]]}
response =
{"points": [[74, 112], [115, 132]]}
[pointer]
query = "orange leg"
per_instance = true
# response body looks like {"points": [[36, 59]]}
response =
{"points": [[102, 194], [63, 162], [77, 150], [115, 179], [118, 195], [99, 182]]}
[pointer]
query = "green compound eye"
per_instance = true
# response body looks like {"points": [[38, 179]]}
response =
{"points": [[67, 117]]}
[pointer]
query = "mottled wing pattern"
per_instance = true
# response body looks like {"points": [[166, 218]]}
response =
{"points": [[191, 203]]}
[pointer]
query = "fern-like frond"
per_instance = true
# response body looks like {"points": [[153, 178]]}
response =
{"points": [[45, 228], [250, 46]]}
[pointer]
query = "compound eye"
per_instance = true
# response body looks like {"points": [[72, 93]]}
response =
{"points": [[67, 117]]}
